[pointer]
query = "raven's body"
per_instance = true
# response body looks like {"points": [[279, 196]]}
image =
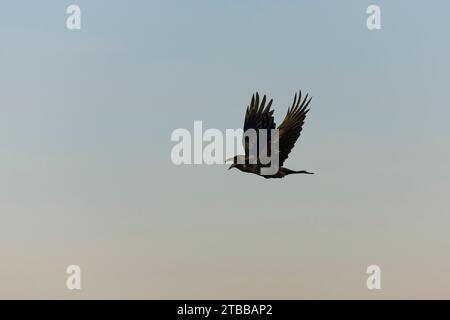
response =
{"points": [[260, 117], [256, 169]]}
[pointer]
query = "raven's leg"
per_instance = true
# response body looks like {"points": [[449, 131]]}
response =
{"points": [[287, 171], [305, 172]]}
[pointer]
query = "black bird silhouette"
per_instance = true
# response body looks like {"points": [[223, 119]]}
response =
{"points": [[260, 117]]}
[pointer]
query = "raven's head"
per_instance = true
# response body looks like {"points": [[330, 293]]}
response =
{"points": [[238, 162]]}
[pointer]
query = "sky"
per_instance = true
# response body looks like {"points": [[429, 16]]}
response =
{"points": [[86, 176]]}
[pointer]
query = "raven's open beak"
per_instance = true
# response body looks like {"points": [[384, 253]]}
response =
{"points": [[232, 164]]}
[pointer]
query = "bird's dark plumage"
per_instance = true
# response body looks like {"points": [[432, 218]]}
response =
{"points": [[259, 116], [291, 127]]}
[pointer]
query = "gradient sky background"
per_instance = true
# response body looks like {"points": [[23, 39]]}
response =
{"points": [[85, 170]]}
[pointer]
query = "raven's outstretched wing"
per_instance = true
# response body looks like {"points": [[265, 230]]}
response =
{"points": [[291, 127], [258, 116]]}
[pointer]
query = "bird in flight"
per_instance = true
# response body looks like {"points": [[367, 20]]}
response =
{"points": [[259, 117]]}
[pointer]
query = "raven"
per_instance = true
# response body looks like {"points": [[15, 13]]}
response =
{"points": [[259, 117]]}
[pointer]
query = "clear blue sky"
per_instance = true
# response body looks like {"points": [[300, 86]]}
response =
{"points": [[85, 171]]}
